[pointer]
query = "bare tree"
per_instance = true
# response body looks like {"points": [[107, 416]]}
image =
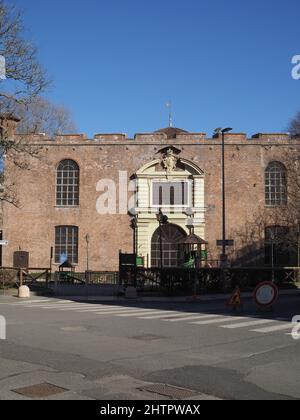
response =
{"points": [[23, 80], [41, 116], [294, 126], [268, 227]]}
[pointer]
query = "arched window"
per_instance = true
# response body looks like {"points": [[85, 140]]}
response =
{"points": [[171, 236], [67, 184], [276, 184]]}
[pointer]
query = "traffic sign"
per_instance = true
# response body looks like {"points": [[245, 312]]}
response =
{"points": [[266, 294], [228, 242], [3, 243]]}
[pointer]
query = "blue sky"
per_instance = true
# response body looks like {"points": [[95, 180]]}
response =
{"points": [[115, 63]]}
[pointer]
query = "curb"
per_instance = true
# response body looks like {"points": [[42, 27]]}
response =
{"points": [[186, 299]]}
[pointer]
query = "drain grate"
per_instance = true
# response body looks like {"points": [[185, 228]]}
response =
{"points": [[40, 390], [147, 337], [170, 391]]}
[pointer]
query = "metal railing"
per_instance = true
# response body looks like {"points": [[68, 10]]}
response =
{"points": [[15, 277], [215, 280]]}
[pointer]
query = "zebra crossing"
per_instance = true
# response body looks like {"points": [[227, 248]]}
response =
{"points": [[252, 323]]}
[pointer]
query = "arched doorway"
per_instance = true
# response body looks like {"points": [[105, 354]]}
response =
{"points": [[171, 236]]}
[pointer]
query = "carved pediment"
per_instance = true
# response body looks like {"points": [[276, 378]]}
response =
{"points": [[169, 161]]}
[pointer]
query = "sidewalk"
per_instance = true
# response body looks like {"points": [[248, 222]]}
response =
{"points": [[207, 298], [182, 299]]}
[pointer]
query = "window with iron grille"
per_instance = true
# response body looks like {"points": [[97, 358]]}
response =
{"points": [[67, 184], [170, 193], [66, 244], [171, 236], [276, 184]]}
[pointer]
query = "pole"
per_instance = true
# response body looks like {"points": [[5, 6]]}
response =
{"points": [[197, 267], [134, 239], [87, 238], [87, 257], [135, 254], [272, 256], [51, 259], [161, 251], [223, 197], [135, 247]]}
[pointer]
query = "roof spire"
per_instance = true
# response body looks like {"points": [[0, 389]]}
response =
{"points": [[169, 106]]}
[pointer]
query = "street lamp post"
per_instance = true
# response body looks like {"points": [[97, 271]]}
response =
{"points": [[273, 255], [162, 220], [134, 228], [87, 238], [135, 247]]}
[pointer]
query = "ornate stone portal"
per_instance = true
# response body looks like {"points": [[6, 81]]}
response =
{"points": [[166, 173]]}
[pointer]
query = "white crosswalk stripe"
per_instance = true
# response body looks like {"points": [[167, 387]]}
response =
{"points": [[105, 308], [42, 304], [248, 323], [276, 328], [116, 311], [71, 307], [141, 313], [58, 307], [31, 302], [27, 303], [77, 309], [191, 318], [54, 306], [217, 321], [119, 311], [166, 314]]}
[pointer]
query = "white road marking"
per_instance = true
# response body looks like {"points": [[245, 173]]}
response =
{"points": [[248, 323], [74, 304], [74, 308], [120, 310], [165, 315], [29, 302], [276, 328], [62, 307], [57, 306], [157, 314], [216, 321], [141, 313], [191, 318], [107, 308]]}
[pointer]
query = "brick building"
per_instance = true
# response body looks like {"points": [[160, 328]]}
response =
{"points": [[64, 194]]}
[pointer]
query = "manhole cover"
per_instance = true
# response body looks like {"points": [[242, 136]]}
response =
{"points": [[40, 391], [170, 391], [147, 337]]}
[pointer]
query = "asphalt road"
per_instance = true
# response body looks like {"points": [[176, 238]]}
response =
{"points": [[113, 351]]}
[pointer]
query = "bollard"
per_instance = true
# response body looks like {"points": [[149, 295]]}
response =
{"points": [[24, 292]]}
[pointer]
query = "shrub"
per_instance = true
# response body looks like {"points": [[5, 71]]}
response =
{"points": [[8, 278]]}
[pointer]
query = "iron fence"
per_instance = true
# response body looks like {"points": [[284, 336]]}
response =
{"points": [[204, 280]]}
